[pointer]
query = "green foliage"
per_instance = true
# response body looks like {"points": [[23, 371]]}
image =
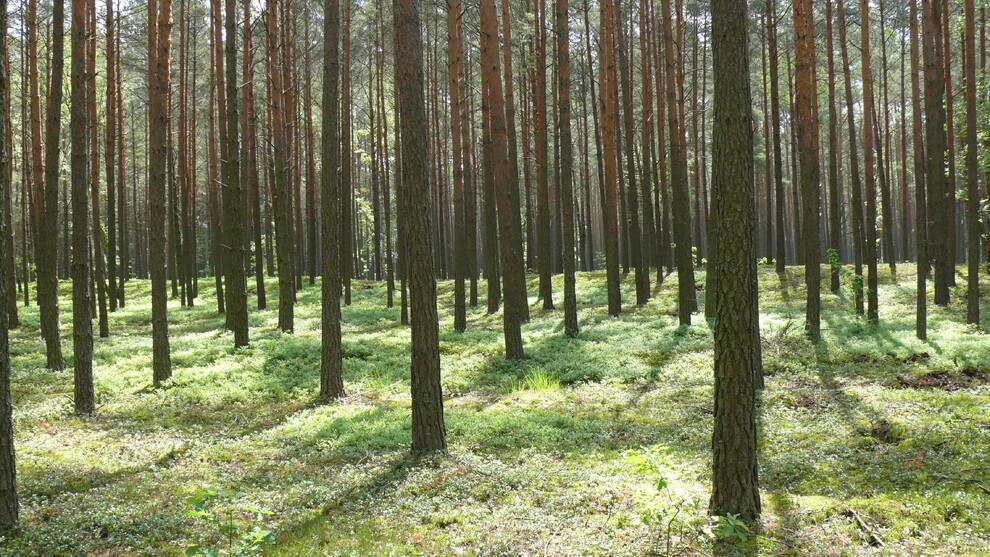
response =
{"points": [[731, 529], [238, 527]]}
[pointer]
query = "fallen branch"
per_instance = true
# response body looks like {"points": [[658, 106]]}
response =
{"points": [[871, 536]]}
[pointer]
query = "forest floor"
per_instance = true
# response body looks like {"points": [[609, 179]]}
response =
{"points": [[872, 443]]}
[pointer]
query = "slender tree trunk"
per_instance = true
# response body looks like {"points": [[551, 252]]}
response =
{"points": [[951, 235], [857, 195], [972, 176], [158, 111], [280, 194], [920, 202], [111, 169], [542, 157], [347, 195], [506, 186], [609, 106], [46, 180], [8, 491], [835, 229], [253, 182], [82, 320], [454, 54], [686, 302], [637, 245], [738, 362], [562, 30], [807, 111], [429, 433], [935, 132], [331, 365], [233, 195]]}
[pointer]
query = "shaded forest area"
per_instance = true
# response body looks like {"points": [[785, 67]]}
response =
{"points": [[668, 277]]}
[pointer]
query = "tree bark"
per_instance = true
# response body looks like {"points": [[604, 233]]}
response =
{"points": [[972, 176], [738, 363], [82, 320], [807, 112], [562, 30], [429, 433], [158, 111]]}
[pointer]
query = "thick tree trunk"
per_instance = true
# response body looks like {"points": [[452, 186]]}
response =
{"points": [[82, 320], [428, 430], [738, 363], [609, 107], [331, 363]]}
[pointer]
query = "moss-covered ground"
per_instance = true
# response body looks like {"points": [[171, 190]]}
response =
{"points": [[871, 443]]}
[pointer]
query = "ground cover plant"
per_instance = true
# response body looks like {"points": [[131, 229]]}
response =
{"points": [[871, 442]]}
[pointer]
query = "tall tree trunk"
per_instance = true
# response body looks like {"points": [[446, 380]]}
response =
{"points": [[253, 181], [111, 169], [951, 235], [82, 320], [609, 107], [331, 363], [681, 209], [346, 161], [233, 196], [8, 490], [428, 431], [454, 54], [920, 202], [778, 160], [280, 194], [542, 157], [637, 244], [46, 179], [158, 115], [738, 362], [856, 201], [507, 191], [807, 111], [972, 176], [835, 227], [562, 30], [935, 132]]}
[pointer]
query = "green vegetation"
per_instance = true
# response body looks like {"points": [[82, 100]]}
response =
{"points": [[597, 445]]}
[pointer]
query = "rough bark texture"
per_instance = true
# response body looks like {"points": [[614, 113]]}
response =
{"points": [[331, 362], [161, 357], [8, 481], [834, 198], [280, 194], [454, 54], [856, 198], [46, 177], [566, 164], [807, 108], [428, 431], [509, 227], [972, 177], [82, 321], [869, 169], [233, 195], [609, 108], [920, 201], [935, 146], [737, 324], [681, 205]]}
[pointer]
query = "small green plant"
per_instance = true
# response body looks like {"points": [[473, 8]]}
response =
{"points": [[731, 528], [661, 509], [538, 379], [239, 527], [856, 281]]}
